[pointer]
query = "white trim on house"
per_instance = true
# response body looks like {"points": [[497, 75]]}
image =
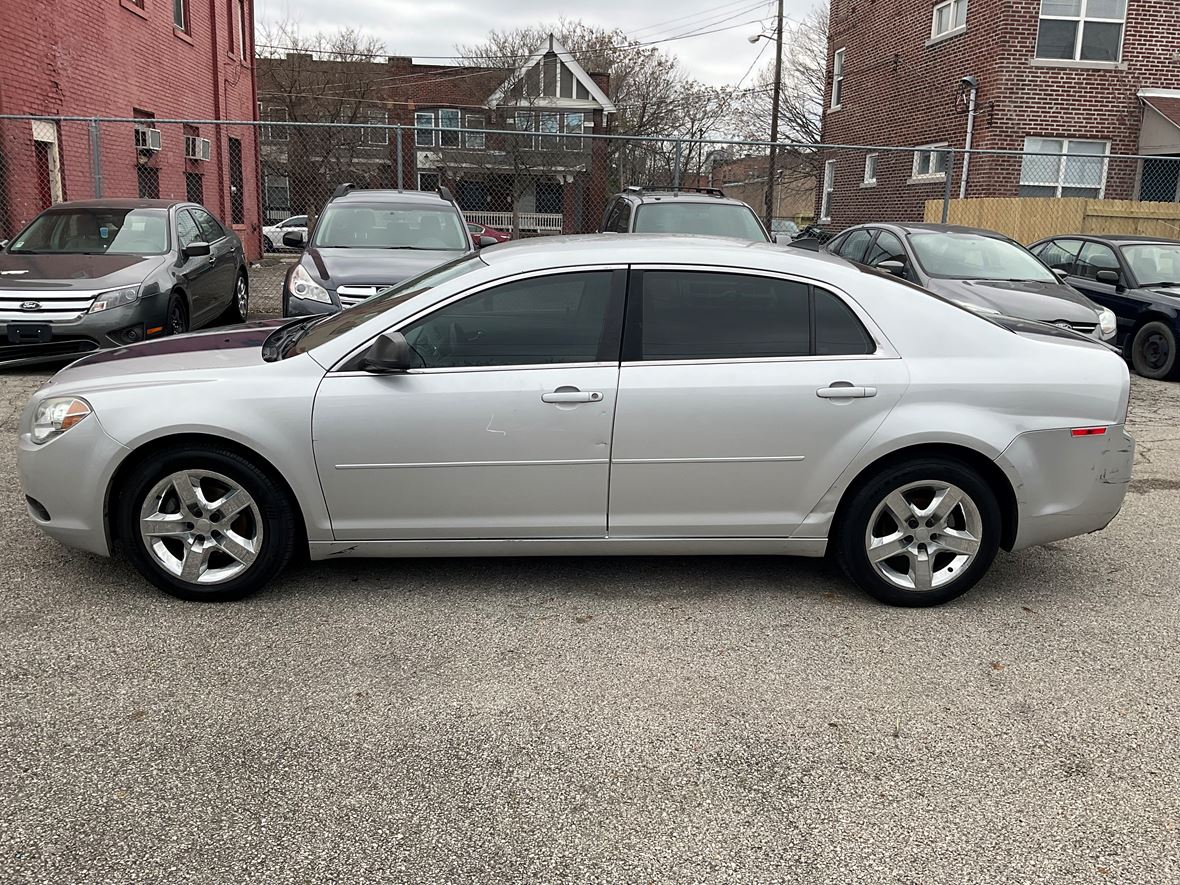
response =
{"points": [[598, 98]]}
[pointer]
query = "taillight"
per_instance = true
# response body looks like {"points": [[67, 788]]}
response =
{"points": [[1088, 431]]}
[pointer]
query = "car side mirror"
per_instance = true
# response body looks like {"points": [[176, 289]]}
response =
{"points": [[3, 244], [1110, 277], [485, 240], [389, 354], [1060, 273], [196, 250], [294, 239], [892, 266]]}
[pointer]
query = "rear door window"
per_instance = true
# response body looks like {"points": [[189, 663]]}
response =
{"points": [[854, 247], [1060, 254]]}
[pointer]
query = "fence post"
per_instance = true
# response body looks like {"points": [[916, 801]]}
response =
{"points": [[401, 172], [96, 158], [946, 189], [679, 160]]}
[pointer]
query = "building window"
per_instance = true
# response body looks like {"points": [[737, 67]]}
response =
{"points": [[1081, 30], [237, 187], [377, 133], [524, 121], [474, 140], [448, 119], [424, 137], [1063, 167], [825, 205], [180, 14], [278, 197], [838, 79], [949, 18], [575, 125], [276, 115], [194, 187], [428, 181], [930, 161], [148, 179], [870, 169], [240, 22]]}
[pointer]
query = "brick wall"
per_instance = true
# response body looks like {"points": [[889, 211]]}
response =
{"points": [[901, 89], [111, 58]]}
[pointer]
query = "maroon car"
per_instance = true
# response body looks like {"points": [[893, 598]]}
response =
{"points": [[482, 230]]}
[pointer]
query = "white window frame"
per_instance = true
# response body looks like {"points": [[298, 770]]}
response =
{"points": [[180, 15], [277, 181], [377, 133], [951, 6], [444, 130], [240, 22], [1060, 182], [276, 126], [476, 141], [838, 79], [424, 137], [435, 174], [1081, 18], [937, 148], [829, 191], [870, 178]]}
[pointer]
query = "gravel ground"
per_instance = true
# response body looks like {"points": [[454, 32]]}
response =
{"points": [[599, 720]]}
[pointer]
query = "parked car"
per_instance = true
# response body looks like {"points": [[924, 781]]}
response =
{"points": [[783, 230], [368, 240], [699, 211], [1138, 278], [592, 395], [980, 270], [104, 273], [272, 234], [480, 231]]}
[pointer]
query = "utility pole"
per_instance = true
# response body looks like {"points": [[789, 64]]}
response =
{"points": [[778, 85]]}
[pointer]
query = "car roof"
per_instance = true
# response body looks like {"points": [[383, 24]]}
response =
{"points": [[118, 203], [916, 226], [680, 195], [1114, 239], [392, 196]]}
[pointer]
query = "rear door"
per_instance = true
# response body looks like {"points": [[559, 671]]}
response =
{"points": [[742, 397]]}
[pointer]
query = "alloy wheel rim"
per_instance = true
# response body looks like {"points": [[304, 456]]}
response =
{"points": [[243, 297], [201, 527], [177, 320], [924, 535]]}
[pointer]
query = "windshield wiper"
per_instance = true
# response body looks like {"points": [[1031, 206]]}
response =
{"points": [[280, 342], [24, 252], [1162, 284]]}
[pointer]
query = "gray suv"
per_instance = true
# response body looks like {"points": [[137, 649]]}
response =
{"points": [[700, 211]]}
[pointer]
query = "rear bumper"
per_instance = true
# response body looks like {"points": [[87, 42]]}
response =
{"points": [[1067, 485]]}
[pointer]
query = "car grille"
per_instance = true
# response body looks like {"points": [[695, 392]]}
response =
{"points": [[1080, 328], [350, 295], [43, 307]]}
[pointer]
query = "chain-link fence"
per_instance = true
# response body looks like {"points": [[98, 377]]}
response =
{"points": [[550, 174]]}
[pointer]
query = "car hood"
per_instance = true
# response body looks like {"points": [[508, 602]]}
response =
{"points": [[213, 351], [43, 273], [1025, 299], [1169, 293], [371, 267]]}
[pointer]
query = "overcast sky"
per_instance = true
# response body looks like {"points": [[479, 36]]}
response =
{"points": [[423, 28]]}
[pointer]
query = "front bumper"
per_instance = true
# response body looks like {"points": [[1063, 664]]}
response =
{"points": [[67, 479], [1066, 485], [28, 341]]}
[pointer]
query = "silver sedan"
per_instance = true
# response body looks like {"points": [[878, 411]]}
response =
{"points": [[588, 395]]}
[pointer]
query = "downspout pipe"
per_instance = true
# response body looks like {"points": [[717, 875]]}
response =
{"points": [[973, 84]]}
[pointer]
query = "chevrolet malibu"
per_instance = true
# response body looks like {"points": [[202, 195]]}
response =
{"points": [[591, 395]]}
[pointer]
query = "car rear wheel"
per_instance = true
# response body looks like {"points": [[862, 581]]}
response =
{"points": [[205, 524], [177, 322], [1153, 351], [267, 244], [921, 533]]}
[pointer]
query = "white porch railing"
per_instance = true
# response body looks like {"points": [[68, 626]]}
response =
{"points": [[540, 222]]}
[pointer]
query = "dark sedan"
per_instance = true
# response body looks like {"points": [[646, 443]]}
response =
{"points": [[980, 270], [1136, 277], [83, 276]]}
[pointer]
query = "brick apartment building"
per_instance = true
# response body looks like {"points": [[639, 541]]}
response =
{"points": [[1075, 79], [744, 178], [548, 178], [142, 59]]}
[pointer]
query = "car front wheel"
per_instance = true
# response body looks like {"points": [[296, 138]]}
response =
{"points": [[921, 533], [205, 524], [1153, 351]]}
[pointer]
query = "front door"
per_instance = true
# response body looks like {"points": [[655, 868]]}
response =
{"points": [[504, 429], [224, 257], [742, 398], [1093, 258], [199, 271]]}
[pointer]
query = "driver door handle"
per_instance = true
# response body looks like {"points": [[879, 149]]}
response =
{"points": [[844, 390], [571, 395]]}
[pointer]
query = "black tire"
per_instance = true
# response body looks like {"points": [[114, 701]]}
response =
{"points": [[850, 541], [1153, 351], [237, 311], [276, 515], [177, 319], [267, 245]]}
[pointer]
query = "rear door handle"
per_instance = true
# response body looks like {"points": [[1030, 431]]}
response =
{"points": [[571, 395], [845, 391]]}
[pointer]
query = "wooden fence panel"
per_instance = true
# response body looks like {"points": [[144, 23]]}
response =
{"points": [[1027, 219]]}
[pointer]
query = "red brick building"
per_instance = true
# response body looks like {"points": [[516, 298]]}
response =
{"points": [[143, 59], [548, 177], [1073, 80]]}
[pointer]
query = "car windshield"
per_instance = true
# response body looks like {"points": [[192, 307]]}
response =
{"points": [[963, 256], [75, 231], [376, 226], [325, 329], [674, 216], [1154, 263]]}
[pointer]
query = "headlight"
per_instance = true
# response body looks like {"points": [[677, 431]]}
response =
{"points": [[1107, 322], [303, 286], [115, 298], [57, 415], [979, 308]]}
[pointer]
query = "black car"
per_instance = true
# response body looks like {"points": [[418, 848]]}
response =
{"points": [[93, 274], [368, 240], [980, 270], [701, 211], [1136, 277]]}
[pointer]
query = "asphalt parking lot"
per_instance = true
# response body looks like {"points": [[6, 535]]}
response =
{"points": [[599, 720]]}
